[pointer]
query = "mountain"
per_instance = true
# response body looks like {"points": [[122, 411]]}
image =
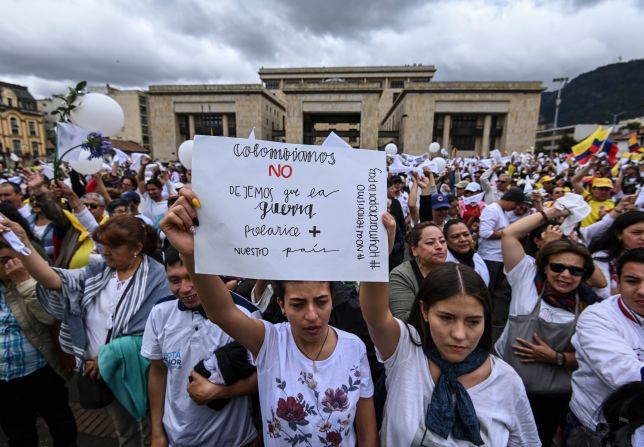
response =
{"points": [[594, 97]]}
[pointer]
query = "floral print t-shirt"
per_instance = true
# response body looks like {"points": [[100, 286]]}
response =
{"points": [[304, 407]]}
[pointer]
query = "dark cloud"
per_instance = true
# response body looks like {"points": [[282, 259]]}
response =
{"points": [[350, 18]]}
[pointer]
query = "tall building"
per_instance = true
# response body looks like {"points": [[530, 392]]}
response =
{"points": [[21, 124], [367, 106]]}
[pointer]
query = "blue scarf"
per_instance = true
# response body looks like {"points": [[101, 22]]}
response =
{"points": [[451, 409]]}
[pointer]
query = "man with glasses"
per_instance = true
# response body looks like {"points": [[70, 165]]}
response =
{"points": [[600, 196], [96, 205], [494, 192]]}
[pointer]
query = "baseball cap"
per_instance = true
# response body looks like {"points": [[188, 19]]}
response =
{"points": [[473, 187], [131, 196], [462, 184], [546, 178], [600, 182], [440, 201]]}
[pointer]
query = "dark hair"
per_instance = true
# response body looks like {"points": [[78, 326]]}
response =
{"points": [[171, 256], [624, 411], [129, 231], [154, 182], [609, 241], [565, 246], [636, 255], [116, 203], [413, 236], [279, 288], [450, 223], [529, 244], [14, 186], [133, 179], [12, 213], [444, 282]]}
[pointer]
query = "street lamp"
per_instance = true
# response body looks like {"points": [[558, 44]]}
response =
{"points": [[562, 83], [615, 115]]}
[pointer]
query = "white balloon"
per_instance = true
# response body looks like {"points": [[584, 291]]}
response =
{"points": [[185, 153], [391, 149], [440, 163], [86, 166], [444, 152], [434, 147], [98, 113]]}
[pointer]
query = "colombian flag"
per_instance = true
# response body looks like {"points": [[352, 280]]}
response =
{"points": [[610, 149], [633, 145], [583, 150]]}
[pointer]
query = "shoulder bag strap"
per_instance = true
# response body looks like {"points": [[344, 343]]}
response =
{"points": [[118, 305]]}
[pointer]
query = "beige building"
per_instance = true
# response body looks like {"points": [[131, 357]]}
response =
{"points": [[21, 124], [367, 106]]}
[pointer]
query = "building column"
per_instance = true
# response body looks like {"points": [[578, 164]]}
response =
{"points": [[485, 143], [224, 124], [191, 126], [447, 123]]}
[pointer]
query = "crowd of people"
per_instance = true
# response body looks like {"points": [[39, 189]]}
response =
{"points": [[513, 314]]}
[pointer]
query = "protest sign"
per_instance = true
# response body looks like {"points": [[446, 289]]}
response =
{"points": [[273, 210]]}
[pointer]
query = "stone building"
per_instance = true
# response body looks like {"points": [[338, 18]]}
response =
{"points": [[367, 106], [21, 124]]}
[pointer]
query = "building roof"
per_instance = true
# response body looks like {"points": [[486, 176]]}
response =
{"points": [[20, 90], [129, 146]]}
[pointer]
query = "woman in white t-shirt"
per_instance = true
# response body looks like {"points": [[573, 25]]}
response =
{"points": [[314, 380], [444, 387]]}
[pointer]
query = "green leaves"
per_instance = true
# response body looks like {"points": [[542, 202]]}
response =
{"points": [[68, 100]]}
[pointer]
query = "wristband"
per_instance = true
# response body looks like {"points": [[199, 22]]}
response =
{"points": [[545, 216]]}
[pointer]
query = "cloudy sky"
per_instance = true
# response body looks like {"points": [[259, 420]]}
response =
{"points": [[49, 45]]}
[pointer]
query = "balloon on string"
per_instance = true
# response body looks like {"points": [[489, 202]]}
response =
{"points": [[440, 163], [391, 149], [98, 113], [86, 166], [185, 153], [434, 147]]}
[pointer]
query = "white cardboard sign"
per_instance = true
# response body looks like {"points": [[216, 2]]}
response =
{"points": [[279, 211]]}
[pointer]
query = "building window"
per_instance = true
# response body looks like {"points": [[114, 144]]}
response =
{"points": [[16, 147], [272, 85], [396, 95], [15, 126], [464, 121], [34, 148], [10, 102], [397, 84], [420, 80], [463, 142], [32, 129]]}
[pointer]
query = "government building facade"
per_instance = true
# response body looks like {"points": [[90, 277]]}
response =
{"points": [[368, 107]]}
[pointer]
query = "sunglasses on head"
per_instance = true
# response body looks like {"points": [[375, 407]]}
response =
{"points": [[573, 269], [92, 206]]}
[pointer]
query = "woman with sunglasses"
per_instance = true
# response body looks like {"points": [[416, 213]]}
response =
{"points": [[460, 248], [552, 286]]}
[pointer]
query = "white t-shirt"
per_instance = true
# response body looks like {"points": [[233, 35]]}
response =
{"points": [[39, 231], [98, 319], [153, 210], [525, 297], [25, 211], [501, 403], [298, 401], [479, 266], [610, 352], [182, 338], [493, 218]]}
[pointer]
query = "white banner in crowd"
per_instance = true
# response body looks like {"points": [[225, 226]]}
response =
{"points": [[285, 211]]}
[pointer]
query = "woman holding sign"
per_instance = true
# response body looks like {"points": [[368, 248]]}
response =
{"points": [[313, 380], [444, 387]]}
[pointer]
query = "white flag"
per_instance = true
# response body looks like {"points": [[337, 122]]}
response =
{"points": [[333, 140], [69, 136], [476, 198]]}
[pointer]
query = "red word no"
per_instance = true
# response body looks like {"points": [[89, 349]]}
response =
{"points": [[280, 171]]}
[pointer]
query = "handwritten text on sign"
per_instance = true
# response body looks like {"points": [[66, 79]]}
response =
{"points": [[283, 211]]}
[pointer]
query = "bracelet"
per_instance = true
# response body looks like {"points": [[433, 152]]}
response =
{"points": [[561, 359], [545, 216]]}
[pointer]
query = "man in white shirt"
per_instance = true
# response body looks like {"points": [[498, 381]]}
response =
{"points": [[609, 345], [12, 194], [493, 220], [494, 192], [177, 337]]}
